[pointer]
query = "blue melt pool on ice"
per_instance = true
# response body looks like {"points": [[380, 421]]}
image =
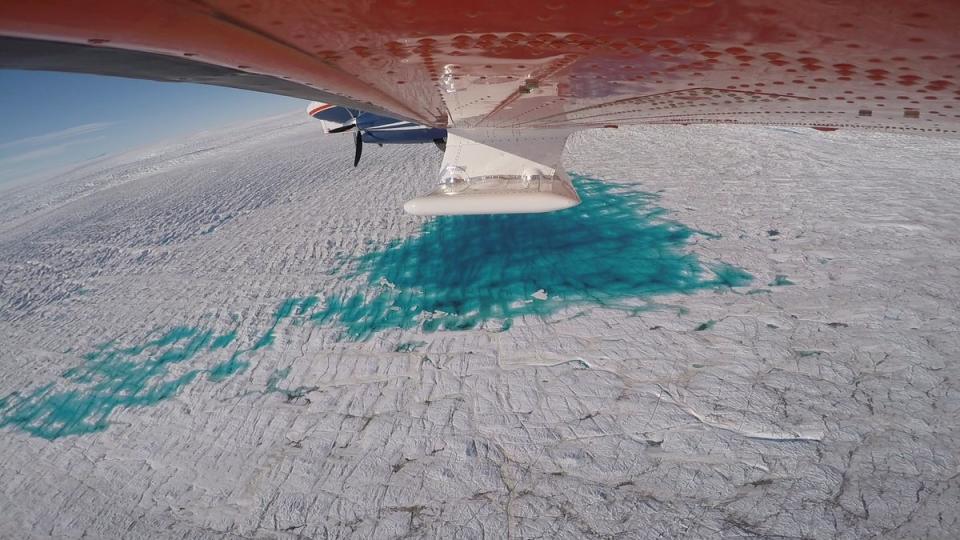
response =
{"points": [[616, 250]]}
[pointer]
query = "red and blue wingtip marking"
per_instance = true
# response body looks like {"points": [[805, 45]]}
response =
{"points": [[318, 107]]}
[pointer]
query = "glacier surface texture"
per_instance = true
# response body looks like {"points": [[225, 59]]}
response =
{"points": [[742, 332]]}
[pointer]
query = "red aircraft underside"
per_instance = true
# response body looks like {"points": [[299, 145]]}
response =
{"points": [[880, 64]]}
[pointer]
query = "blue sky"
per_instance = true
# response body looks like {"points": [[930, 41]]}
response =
{"points": [[53, 120]]}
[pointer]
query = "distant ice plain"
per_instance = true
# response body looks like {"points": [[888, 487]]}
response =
{"points": [[825, 408]]}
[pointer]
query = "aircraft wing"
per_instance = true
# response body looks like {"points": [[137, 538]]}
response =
{"points": [[500, 72]]}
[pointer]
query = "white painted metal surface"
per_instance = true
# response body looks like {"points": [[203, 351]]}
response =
{"points": [[508, 171], [499, 195]]}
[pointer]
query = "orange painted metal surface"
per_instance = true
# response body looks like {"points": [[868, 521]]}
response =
{"points": [[881, 64]]}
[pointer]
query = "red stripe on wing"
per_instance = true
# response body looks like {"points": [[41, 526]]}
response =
{"points": [[321, 109]]}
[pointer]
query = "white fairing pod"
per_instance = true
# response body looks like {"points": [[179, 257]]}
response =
{"points": [[498, 195], [499, 171]]}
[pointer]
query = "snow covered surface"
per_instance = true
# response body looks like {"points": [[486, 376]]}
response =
{"points": [[742, 332]]}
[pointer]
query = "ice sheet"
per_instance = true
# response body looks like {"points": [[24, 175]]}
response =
{"points": [[799, 378]]}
